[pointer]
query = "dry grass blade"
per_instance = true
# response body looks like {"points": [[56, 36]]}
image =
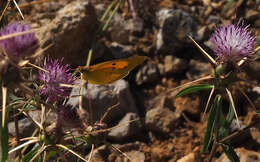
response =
{"points": [[117, 149], [37, 67], [248, 99], [28, 4], [6, 6], [4, 100], [207, 105], [43, 114], [208, 77], [210, 59], [74, 153], [41, 51], [19, 10], [38, 153], [70, 86], [23, 145], [34, 121], [233, 105], [242, 61], [107, 111], [17, 34], [91, 152], [44, 156], [81, 93], [28, 138], [108, 129]]}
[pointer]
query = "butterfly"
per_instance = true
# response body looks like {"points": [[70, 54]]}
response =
{"points": [[110, 71]]}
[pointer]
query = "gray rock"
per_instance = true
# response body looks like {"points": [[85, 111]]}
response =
{"points": [[107, 152], [198, 69], [131, 150], [147, 74], [26, 127], [174, 65], [101, 97], [203, 33], [71, 32], [126, 128], [124, 31], [120, 50], [161, 120], [174, 25]]}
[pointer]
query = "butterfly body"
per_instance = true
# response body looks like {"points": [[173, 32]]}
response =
{"points": [[110, 71]]}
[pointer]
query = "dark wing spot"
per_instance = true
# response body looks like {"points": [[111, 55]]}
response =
{"points": [[114, 64]]}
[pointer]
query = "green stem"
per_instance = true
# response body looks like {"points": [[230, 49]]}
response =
{"points": [[216, 130]]}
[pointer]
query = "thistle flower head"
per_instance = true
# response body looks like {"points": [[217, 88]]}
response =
{"points": [[68, 116], [56, 74], [232, 43], [18, 46]]}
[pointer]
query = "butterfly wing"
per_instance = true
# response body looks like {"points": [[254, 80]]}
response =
{"points": [[110, 71]]}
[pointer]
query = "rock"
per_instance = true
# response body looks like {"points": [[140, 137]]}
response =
{"points": [[174, 25], [120, 50], [198, 69], [131, 150], [126, 129], [189, 104], [71, 32], [135, 156], [162, 120], [147, 73], [100, 154], [109, 153], [174, 65], [251, 15], [101, 97], [244, 156], [188, 158], [124, 31], [26, 127], [203, 33]]}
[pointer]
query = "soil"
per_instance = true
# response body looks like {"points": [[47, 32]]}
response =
{"points": [[188, 136]]}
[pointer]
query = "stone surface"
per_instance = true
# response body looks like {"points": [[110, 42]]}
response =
{"points": [[120, 50], [26, 127], [124, 31], [110, 153], [161, 120], [188, 158], [126, 129], [71, 32], [189, 104], [198, 69], [147, 73], [101, 97], [244, 156], [174, 65], [174, 25]]}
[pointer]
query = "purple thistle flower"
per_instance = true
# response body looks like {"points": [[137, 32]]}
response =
{"points": [[232, 43], [18, 46], [57, 74], [68, 116]]}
